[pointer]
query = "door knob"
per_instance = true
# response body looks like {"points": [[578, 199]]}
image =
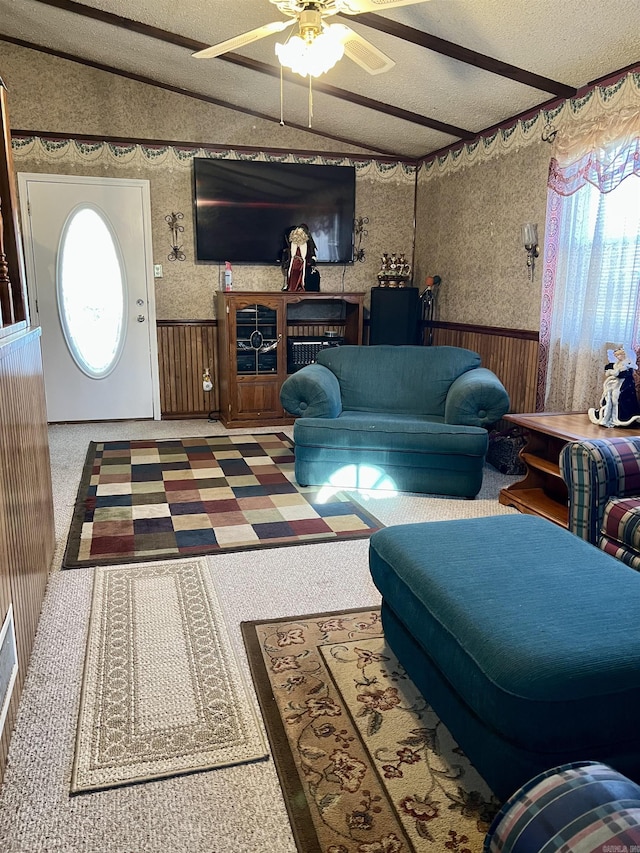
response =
{"points": [[141, 318]]}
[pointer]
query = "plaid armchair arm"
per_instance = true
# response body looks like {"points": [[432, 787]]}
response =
{"points": [[595, 471]]}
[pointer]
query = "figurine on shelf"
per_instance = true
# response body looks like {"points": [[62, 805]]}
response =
{"points": [[394, 270], [619, 405], [298, 258]]}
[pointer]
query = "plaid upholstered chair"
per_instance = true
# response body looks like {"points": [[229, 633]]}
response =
{"points": [[603, 480]]}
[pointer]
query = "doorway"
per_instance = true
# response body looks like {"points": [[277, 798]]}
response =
{"points": [[89, 271]]}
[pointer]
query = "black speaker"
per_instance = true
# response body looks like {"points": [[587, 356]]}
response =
{"points": [[394, 315]]}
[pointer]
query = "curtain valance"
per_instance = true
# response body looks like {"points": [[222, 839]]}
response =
{"points": [[602, 152]]}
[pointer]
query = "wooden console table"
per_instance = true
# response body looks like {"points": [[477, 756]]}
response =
{"points": [[543, 491]]}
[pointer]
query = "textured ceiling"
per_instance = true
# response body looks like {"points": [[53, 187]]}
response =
{"points": [[486, 60]]}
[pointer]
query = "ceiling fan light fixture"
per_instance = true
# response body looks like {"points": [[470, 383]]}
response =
{"points": [[314, 54]]}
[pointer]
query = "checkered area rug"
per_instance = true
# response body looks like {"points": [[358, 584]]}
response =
{"points": [[149, 500]]}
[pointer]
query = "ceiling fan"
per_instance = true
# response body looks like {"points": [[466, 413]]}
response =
{"points": [[319, 45]]}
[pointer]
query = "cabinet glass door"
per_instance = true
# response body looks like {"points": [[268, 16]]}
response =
{"points": [[256, 340]]}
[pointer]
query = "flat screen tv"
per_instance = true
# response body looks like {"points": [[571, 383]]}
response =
{"points": [[244, 209]]}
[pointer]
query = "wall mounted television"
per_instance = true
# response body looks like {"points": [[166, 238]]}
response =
{"points": [[244, 209]]}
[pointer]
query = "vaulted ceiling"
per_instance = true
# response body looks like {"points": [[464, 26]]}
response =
{"points": [[461, 66]]}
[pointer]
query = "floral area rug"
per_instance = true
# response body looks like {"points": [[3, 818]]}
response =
{"points": [[152, 500], [364, 763]]}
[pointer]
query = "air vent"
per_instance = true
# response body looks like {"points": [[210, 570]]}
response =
{"points": [[8, 664]]}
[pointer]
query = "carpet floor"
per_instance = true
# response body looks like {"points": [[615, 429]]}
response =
{"points": [[364, 762], [227, 810], [150, 500], [162, 693]]}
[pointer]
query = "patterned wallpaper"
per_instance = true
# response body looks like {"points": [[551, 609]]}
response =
{"points": [[54, 95], [468, 233], [471, 202], [384, 194]]}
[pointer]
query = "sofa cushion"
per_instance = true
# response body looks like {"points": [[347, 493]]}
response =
{"points": [[411, 433], [399, 379], [621, 522]]}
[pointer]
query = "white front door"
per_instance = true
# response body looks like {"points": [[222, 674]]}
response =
{"points": [[89, 273]]}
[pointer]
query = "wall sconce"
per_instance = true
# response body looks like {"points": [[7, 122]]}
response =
{"points": [[173, 221], [359, 232], [530, 242]]}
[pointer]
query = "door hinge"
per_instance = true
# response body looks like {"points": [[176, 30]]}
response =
{"points": [[29, 208]]}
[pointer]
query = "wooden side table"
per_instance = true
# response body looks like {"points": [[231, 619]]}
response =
{"points": [[543, 491]]}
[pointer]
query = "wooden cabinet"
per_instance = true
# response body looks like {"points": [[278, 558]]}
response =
{"points": [[253, 332]]}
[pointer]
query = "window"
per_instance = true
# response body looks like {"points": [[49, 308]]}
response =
{"points": [[591, 290], [91, 300]]}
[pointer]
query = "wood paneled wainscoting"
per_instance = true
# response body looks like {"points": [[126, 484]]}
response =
{"points": [[27, 534], [512, 354], [185, 349]]}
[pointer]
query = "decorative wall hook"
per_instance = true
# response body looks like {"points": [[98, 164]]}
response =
{"points": [[176, 253], [549, 132], [360, 232]]}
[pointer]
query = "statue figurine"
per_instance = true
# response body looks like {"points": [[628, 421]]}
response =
{"points": [[619, 405], [298, 259]]}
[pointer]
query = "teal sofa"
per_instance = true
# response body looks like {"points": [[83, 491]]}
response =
{"points": [[408, 418]]}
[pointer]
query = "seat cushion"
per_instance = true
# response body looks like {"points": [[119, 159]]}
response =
{"points": [[411, 433], [534, 629], [621, 522]]}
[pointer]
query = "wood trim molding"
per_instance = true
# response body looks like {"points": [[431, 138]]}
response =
{"points": [[236, 59], [522, 334], [186, 323], [139, 78], [463, 54]]}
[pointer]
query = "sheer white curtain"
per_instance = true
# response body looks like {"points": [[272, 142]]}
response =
{"points": [[591, 286]]}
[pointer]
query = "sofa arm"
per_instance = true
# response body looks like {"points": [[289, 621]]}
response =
{"points": [[595, 471], [476, 398], [312, 392]]}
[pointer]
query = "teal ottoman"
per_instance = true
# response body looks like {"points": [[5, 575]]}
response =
{"points": [[523, 638]]}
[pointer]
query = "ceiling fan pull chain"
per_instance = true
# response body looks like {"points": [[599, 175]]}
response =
{"points": [[310, 101], [281, 100]]}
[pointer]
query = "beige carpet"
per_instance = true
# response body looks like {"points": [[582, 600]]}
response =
{"points": [[162, 693], [226, 810], [364, 762]]}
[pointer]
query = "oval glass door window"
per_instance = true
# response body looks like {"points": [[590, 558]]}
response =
{"points": [[91, 294]]}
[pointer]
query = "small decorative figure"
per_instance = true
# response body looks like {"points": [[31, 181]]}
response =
{"points": [[394, 270], [619, 405], [298, 258]]}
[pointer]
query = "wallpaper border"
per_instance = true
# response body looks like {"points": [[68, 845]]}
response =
{"points": [[181, 157], [543, 126]]}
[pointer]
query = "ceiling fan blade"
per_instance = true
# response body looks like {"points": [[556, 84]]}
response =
{"points": [[362, 52], [242, 40], [355, 7]]}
